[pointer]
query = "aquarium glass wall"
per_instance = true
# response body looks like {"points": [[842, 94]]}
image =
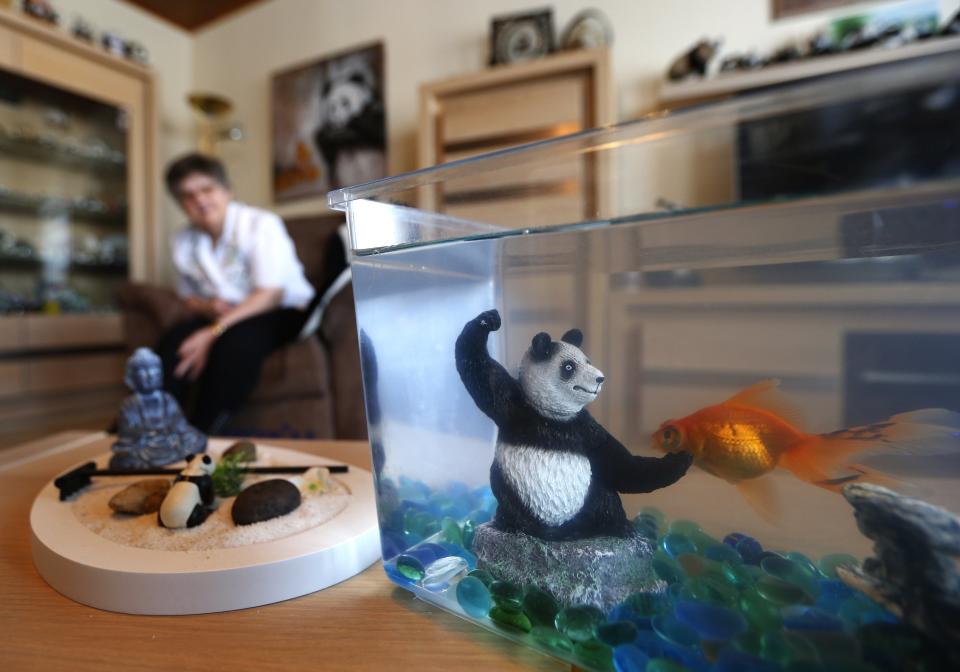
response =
{"points": [[777, 312]]}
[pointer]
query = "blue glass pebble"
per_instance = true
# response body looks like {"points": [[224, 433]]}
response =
{"points": [[474, 597], [732, 660], [672, 631], [723, 553], [615, 633], [666, 567], [441, 573], [629, 658], [799, 617], [710, 621], [733, 539], [676, 544], [480, 516], [750, 550]]}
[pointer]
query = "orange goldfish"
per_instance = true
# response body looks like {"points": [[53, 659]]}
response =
{"points": [[755, 431]]}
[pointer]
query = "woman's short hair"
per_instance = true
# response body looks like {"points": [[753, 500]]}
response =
{"points": [[195, 162]]}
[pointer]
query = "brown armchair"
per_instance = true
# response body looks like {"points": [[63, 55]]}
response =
{"points": [[310, 388]]}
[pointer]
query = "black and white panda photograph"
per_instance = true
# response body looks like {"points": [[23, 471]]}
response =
{"points": [[329, 124]]}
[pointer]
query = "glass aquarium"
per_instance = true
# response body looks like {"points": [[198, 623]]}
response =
{"points": [[749, 295], [63, 188]]}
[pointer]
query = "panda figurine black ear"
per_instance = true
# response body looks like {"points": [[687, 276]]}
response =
{"points": [[574, 337], [540, 347]]}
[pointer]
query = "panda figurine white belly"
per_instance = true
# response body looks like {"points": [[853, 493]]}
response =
{"points": [[557, 472], [188, 502]]}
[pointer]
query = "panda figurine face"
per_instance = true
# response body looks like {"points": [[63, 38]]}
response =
{"points": [[557, 379]]}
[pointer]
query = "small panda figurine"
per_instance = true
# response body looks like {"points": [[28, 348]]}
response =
{"points": [[557, 472], [695, 61], [188, 502]]}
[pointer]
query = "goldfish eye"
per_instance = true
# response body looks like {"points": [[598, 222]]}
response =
{"points": [[670, 438]]}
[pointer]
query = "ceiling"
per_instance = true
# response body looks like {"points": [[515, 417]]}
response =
{"points": [[191, 14]]}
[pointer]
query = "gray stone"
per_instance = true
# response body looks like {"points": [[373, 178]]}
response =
{"points": [[246, 450], [916, 569], [141, 497], [602, 571], [265, 500]]}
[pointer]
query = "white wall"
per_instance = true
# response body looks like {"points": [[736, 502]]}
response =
{"points": [[433, 39], [172, 59]]}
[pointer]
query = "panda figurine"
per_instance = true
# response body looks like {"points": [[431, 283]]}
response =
{"points": [[188, 502], [556, 472]]}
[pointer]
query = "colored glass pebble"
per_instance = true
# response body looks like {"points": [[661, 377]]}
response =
{"points": [[630, 658], [483, 575], [551, 639], [645, 604], [684, 527], [594, 653], [395, 575], [474, 597], [792, 572], [733, 539], [656, 514], [798, 617], [732, 660], [539, 606], [617, 633], [664, 665], [467, 533], [696, 565], [677, 544], [833, 646], [760, 612], [439, 574], [506, 595], [461, 552], [780, 591], [709, 589], [828, 564], [410, 567], [723, 553], [750, 550], [666, 568], [450, 531], [579, 623], [710, 621], [804, 562], [510, 619], [738, 575], [702, 541], [671, 630]]}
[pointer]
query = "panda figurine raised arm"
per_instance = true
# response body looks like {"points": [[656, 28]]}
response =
{"points": [[556, 472]]}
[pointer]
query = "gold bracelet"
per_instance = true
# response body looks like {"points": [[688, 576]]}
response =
{"points": [[217, 328]]}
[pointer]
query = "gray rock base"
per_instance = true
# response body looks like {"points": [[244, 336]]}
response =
{"points": [[602, 571]]}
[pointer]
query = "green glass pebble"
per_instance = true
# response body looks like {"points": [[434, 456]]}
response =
{"points": [[685, 527], [828, 564], [778, 648], [468, 531], [761, 613], [664, 665], [506, 595], [551, 639], [781, 592], [833, 647], [539, 606], [750, 642], [507, 618], [450, 531], [646, 604], [410, 567], [793, 572], [676, 544], [709, 589], [579, 623], [703, 541], [666, 568], [617, 633], [655, 513], [804, 562], [483, 575], [671, 630], [738, 575], [474, 597], [723, 553], [697, 565], [594, 653]]}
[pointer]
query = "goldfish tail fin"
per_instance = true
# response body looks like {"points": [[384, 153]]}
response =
{"points": [[828, 460], [761, 496]]}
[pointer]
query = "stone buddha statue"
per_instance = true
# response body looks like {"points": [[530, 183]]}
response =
{"points": [[151, 429]]}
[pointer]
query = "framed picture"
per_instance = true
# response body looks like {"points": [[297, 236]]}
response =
{"points": [[786, 8], [329, 124], [521, 37]]}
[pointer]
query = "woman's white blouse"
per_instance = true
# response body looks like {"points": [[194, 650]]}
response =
{"points": [[253, 252]]}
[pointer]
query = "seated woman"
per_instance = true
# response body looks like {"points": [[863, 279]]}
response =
{"points": [[238, 272]]}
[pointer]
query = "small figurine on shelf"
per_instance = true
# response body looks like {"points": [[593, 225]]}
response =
{"points": [[695, 61], [83, 31], [136, 52], [41, 9], [151, 428], [113, 43]]}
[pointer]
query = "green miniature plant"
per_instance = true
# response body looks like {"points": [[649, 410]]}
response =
{"points": [[228, 476]]}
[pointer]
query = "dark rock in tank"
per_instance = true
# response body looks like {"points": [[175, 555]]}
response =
{"points": [[265, 500], [601, 571], [916, 568]]}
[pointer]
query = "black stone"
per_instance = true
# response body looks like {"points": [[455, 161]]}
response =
{"points": [[246, 450], [265, 500]]}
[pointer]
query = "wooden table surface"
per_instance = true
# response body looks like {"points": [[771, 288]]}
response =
{"points": [[363, 623]]}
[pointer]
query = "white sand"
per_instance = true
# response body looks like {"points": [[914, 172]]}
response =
{"points": [[218, 531]]}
